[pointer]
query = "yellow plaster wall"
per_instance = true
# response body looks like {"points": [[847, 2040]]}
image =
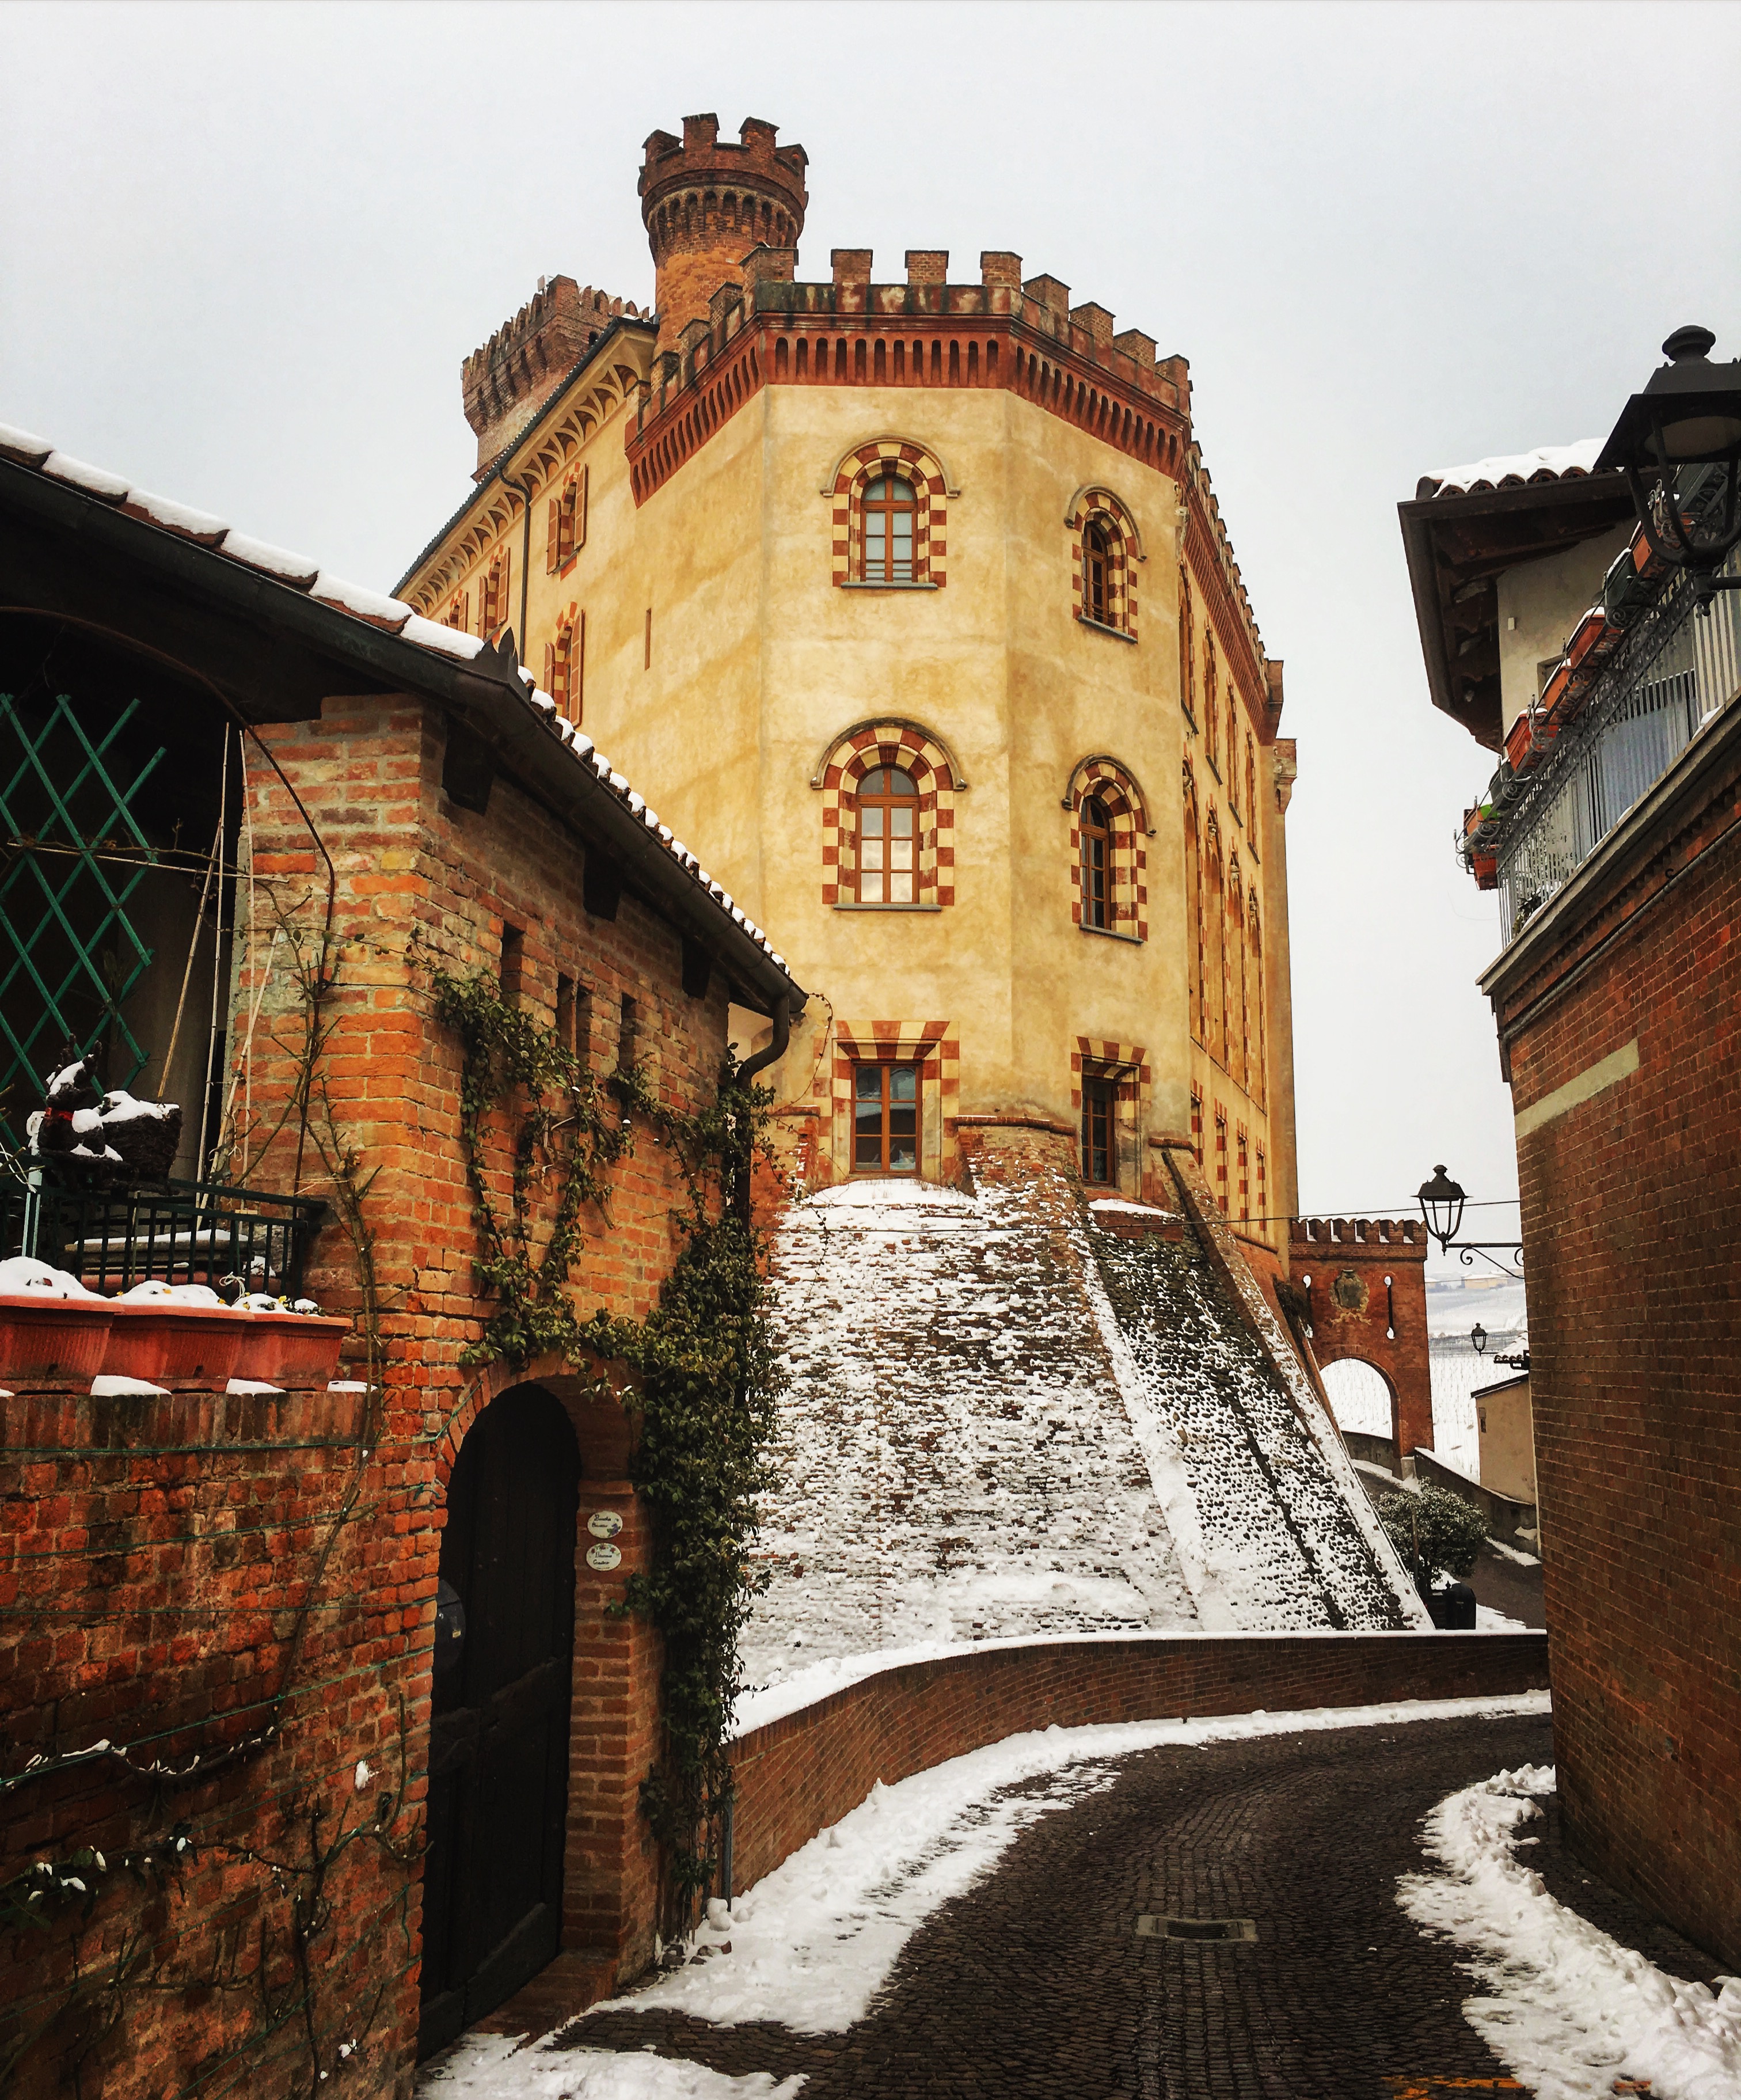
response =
{"points": [[758, 660]]}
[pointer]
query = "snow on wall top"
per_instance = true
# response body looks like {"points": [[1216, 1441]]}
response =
{"points": [[1002, 1421], [1515, 470], [358, 601]]}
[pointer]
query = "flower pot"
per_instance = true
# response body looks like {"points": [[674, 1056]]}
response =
{"points": [[1589, 632], [44, 1337], [1485, 868], [289, 1348], [169, 1345], [1518, 743]]}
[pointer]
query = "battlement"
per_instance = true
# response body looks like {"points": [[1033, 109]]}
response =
{"points": [[706, 201], [508, 379], [1360, 1235]]}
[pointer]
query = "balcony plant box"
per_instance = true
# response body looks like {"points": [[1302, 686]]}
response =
{"points": [[1485, 868], [1519, 744], [289, 1348], [165, 1343], [46, 1336], [1588, 634]]}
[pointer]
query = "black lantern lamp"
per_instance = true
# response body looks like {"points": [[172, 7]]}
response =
{"points": [[1689, 415], [1478, 1338], [1441, 1207]]}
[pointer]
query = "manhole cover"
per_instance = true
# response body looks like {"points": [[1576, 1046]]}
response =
{"points": [[1151, 1927]]}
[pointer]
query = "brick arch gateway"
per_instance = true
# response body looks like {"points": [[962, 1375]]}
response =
{"points": [[1364, 1282], [541, 1728]]}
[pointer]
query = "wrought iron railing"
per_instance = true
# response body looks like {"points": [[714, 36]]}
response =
{"points": [[180, 1232], [1680, 664]]}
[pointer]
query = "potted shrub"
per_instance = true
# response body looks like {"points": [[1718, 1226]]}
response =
{"points": [[51, 1326]]}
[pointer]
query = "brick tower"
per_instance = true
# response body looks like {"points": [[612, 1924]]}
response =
{"points": [[707, 202]]}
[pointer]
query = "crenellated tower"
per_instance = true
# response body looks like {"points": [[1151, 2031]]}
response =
{"points": [[506, 380], [707, 202]]}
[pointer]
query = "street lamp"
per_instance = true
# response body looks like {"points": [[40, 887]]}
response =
{"points": [[1478, 1338], [1442, 1201], [1441, 1207], [1689, 415]]}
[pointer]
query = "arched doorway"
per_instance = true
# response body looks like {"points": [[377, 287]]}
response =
{"points": [[492, 1877], [1361, 1398]]}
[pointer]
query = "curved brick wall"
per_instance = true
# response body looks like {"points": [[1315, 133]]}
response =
{"points": [[798, 1775]]}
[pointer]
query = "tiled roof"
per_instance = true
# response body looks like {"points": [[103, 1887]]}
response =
{"points": [[391, 615], [1514, 469]]}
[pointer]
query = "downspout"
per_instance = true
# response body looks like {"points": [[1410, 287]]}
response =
{"points": [[776, 1049], [738, 1195]]}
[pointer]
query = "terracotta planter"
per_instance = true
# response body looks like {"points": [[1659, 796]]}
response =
{"points": [[1590, 630], [169, 1344], [1485, 868], [52, 1338], [289, 1348], [1554, 689], [1518, 743]]}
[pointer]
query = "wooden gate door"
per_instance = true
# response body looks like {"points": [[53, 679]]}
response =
{"points": [[492, 1877]]}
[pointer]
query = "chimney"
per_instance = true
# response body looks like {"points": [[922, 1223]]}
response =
{"points": [[707, 202]]}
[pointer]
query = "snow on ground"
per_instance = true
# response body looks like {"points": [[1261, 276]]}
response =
{"points": [[1003, 1421], [486, 2067], [1566, 2008], [814, 1941], [1360, 1398], [1453, 1307]]}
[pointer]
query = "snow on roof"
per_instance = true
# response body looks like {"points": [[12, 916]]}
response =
{"points": [[358, 601], [1515, 469]]}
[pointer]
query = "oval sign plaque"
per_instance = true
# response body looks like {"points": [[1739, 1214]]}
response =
{"points": [[604, 1524], [601, 1558]]}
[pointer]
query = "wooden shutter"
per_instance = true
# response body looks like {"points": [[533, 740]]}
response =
{"points": [[580, 496], [504, 595], [553, 538], [549, 671], [577, 671]]}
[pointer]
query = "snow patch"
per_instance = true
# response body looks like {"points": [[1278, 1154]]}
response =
{"points": [[1548, 461], [487, 2066], [814, 1941], [1566, 2008], [23, 1275]]}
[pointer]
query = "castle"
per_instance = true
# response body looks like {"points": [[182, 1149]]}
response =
{"points": [[912, 605]]}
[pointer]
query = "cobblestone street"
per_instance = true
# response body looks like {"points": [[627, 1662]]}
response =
{"points": [[1037, 1985]]}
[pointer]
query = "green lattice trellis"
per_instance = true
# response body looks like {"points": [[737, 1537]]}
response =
{"points": [[69, 956]]}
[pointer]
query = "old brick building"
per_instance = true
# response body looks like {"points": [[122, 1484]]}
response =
{"points": [[912, 601], [227, 1732], [1579, 643]]}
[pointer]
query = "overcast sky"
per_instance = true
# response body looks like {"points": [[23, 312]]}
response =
{"points": [[245, 249]]}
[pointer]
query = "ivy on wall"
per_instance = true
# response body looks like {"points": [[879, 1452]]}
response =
{"points": [[703, 1359]]}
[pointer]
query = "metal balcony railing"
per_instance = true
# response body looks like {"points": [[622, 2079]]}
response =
{"points": [[1679, 665], [179, 1232]]}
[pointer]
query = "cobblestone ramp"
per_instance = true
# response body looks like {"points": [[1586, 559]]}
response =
{"points": [[1280, 1544], [957, 1460]]}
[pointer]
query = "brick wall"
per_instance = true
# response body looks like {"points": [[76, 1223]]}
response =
{"points": [[798, 1775], [1368, 1299], [1632, 1213], [158, 1556]]}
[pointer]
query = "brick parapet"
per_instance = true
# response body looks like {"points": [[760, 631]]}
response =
{"points": [[796, 1775]]}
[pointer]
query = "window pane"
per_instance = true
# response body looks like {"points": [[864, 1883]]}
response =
{"points": [[871, 853], [870, 821], [868, 1083], [868, 1151], [900, 889], [900, 821], [898, 783], [903, 1083]]}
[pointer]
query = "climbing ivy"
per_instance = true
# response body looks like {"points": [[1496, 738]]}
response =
{"points": [[703, 1362], [564, 1122]]}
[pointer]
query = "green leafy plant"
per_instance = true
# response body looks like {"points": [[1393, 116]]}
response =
{"points": [[562, 1120], [1436, 1532]]}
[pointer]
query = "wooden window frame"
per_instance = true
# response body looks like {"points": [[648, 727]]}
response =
{"points": [[1099, 1133], [1098, 835], [888, 803], [869, 506], [885, 1069]]}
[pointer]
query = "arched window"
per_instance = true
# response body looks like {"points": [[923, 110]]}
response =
{"points": [[1232, 749], [1211, 718], [888, 856], [1238, 1025], [1095, 822], [1258, 1083], [1251, 787], [1186, 647], [889, 508], [1215, 926], [1193, 912], [1097, 572]]}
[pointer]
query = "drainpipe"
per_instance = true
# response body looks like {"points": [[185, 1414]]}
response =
{"points": [[783, 1036], [739, 1197]]}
